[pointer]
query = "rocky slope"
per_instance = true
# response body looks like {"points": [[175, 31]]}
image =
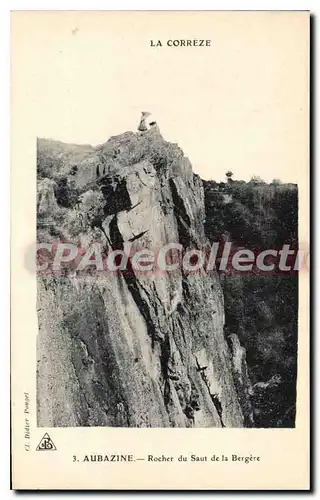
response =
{"points": [[126, 348]]}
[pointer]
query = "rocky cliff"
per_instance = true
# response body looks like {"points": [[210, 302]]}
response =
{"points": [[127, 348]]}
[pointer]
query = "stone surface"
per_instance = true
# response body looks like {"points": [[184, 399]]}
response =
{"points": [[138, 349]]}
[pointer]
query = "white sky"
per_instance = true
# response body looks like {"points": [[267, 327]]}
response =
{"points": [[239, 105]]}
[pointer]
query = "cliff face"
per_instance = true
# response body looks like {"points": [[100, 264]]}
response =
{"points": [[132, 349]]}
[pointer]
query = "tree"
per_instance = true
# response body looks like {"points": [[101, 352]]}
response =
{"points": [[256, 180], [92, 204], [229, 175], [66, 191]]}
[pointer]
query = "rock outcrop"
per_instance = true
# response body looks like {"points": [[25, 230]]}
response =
{"points": [[133, 349], [242, 379]]}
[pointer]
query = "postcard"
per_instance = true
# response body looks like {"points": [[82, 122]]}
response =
{"points": [[160, 250]]}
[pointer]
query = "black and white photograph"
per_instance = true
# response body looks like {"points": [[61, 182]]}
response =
{"points": [[138, 327], [160, 173]]}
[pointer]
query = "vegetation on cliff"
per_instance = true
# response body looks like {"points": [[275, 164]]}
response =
{"points": [[261, 309]]}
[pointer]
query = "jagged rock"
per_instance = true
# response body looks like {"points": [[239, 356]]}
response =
{"points": [[241, 377], [270, 384], [124, 349]]}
